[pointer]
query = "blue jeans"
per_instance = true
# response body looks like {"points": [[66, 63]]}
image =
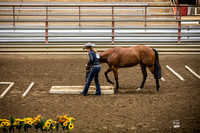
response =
{"points": [[94, 73]]}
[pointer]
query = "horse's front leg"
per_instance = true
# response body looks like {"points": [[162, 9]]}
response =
{"points": [[106, 75], [115, 71]]}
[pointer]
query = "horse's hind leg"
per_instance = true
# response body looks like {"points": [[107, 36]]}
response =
{"points": [[115, 72], [106, 75], [157, 80], [157, 84], [144, 72]]}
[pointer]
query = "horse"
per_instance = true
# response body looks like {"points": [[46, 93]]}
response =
{"points": [[119, 57]]}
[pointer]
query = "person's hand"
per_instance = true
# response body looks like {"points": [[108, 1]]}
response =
{"points": [[86, 65]]}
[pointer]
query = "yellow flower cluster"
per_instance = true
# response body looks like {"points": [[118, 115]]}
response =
{"points": [[38, 122], [5, 123], [28, 121], [66, 122], [37, 119], [49, 125], [18, 123]]}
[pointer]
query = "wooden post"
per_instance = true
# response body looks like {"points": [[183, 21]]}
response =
{"points": [[79, 14], [175, 73], [46, 26], [178, 13], [77, 89], [5, 83], [113, 26], [145, 17], [179, 26], [4, 93], [13, 15], [189, 69], [27, 90]]}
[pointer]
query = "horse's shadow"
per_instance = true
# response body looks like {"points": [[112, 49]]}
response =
{"points": [[132, 90]]}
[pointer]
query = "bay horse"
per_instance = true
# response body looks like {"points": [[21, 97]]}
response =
{"points": [[119, 57]]}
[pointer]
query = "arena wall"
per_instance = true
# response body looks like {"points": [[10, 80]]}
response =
{"points": [[85, 0]]}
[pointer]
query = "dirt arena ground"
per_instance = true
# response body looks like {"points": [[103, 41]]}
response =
{"points": [[127, 111]]}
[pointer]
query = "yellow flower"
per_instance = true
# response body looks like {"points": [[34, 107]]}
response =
{"points": [[28, 119], [47, 124], [5, 124], [71, 118], [39, 116], [37, 120], [71, 126], [2, 124], [8, 124], [15, 123], [60, 119], [30, 123], [67, 120], [18, 119], [44, 127], [65, 124], [18, 122], [3, 120]]}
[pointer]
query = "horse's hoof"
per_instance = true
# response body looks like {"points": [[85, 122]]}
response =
{"points": [[139, 89], [115, 91], [162, 79], [110, 82]]}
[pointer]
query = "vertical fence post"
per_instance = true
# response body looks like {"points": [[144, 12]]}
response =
{"points": [[113, 26], [179, 26], [46, 26], [79, 15], [145, 17], [13, 15], [178, 13]]}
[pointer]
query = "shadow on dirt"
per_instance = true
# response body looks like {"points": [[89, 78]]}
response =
{"points": [[132, 90]]}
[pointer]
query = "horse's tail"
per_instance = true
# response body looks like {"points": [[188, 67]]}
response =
{"points": [[157, 67]]}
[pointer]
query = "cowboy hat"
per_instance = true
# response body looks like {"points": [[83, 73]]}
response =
{"points": [[88, 45]]}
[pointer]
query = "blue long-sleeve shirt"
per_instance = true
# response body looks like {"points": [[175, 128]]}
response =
{"points": [[93, 59]]}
